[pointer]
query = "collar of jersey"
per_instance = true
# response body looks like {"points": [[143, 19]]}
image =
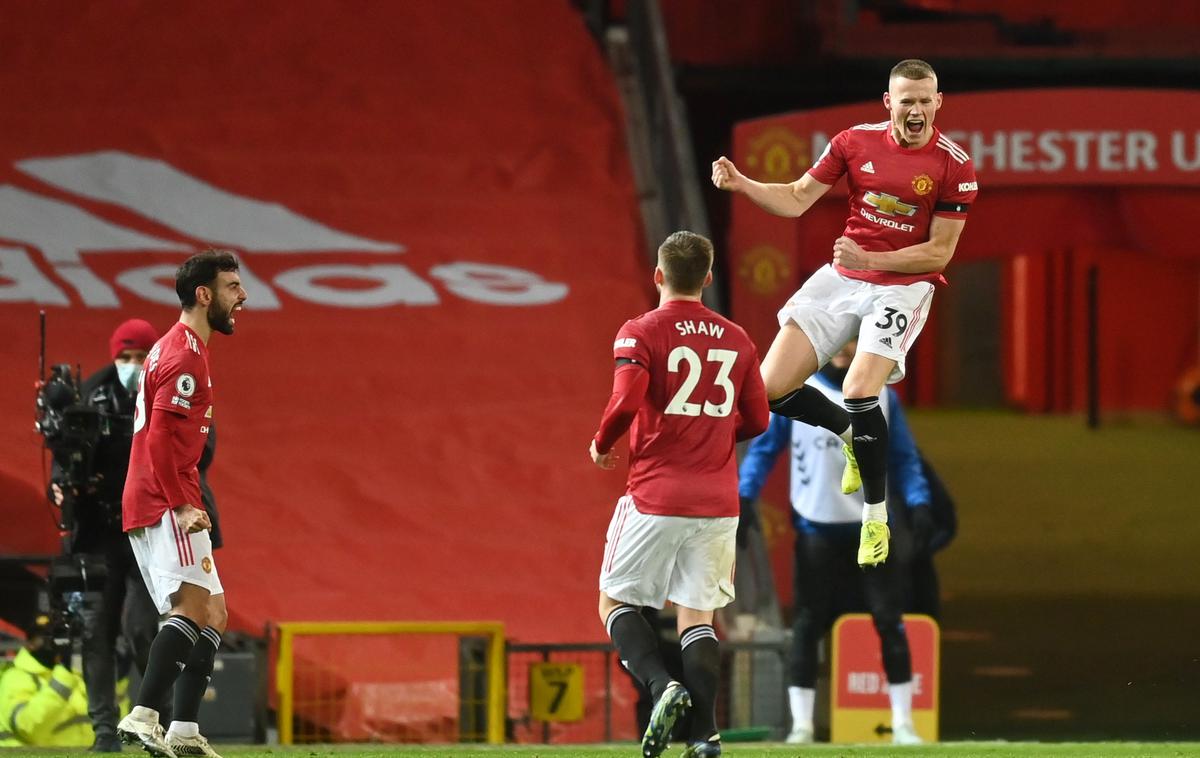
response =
{"points": [[930, 145]]}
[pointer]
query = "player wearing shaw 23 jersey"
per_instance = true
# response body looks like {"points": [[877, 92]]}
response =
{"points": [[910, 188], [164, 514], [687, 381], [702, 370]]}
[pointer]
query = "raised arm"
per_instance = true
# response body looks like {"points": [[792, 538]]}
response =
{"points": [[790, 200]]}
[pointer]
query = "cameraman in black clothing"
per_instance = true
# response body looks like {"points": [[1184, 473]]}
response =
{"points": [[120, 602]]}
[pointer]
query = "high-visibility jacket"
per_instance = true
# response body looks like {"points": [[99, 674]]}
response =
{"points": [[43, 707]]}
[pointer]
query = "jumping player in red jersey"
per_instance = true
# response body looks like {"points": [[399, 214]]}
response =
{"points": [[910, 189], [687, 380], [163, 513]]}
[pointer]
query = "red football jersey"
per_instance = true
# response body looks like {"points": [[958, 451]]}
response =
{"points": [[174, 380], [895, 192], [704, 382]]}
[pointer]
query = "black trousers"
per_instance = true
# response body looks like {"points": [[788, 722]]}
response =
{"points": [[925, 595], [829, 583], [120, 621]]}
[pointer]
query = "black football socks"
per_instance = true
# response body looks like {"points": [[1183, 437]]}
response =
{"points": [[808, 405], [870, 446], [701, 672], [193, 682], [168, 656], [637, 646]]}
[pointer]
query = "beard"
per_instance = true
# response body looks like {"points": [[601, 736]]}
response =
{"points": [[219, 320]]}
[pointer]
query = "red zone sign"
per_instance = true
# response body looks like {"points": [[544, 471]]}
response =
{"points": [[861, 709]]}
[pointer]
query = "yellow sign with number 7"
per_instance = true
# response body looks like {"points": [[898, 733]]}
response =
{"points": [[556, 691]]}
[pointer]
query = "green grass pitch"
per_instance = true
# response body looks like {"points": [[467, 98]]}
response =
{"points": [[742, 750]]}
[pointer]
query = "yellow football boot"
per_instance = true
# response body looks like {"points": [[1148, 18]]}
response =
{"points": [[851, 479], [873, 543]]}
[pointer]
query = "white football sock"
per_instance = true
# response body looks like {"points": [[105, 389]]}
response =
{"points": [[874, 512], [801, 700], [184, 728], [142, 713], [901, 697]]}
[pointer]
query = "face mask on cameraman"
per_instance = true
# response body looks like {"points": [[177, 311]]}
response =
{"points": [[128, 374]]}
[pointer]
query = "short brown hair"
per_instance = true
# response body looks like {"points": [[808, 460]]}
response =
{"points": [[685, 259], [913, 68]]}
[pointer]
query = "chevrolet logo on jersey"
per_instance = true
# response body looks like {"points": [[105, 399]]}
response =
{"points": [[889, 205]]}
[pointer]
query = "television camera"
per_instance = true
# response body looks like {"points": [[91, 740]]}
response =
{"points": [[71, 430]]}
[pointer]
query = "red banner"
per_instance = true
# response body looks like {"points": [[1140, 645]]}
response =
{"points": [[1016, 138]]}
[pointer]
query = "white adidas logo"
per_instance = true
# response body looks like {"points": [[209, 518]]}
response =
{"points": [[68, 236], [868, 168]]}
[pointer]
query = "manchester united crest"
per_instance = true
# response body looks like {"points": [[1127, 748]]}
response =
{"points": [[777, 155], [922, 184], [206, 564], [764, 269]]}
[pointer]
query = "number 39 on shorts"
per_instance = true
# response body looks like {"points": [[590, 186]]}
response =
{"points": [[892, 319]]}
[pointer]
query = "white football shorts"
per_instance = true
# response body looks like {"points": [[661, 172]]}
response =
{"points": [[651, 559], [832, 309], [169, 557]]}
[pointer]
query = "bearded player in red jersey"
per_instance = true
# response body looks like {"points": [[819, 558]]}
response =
{"points": [[910, 188], [163, 513], [687, 379]]}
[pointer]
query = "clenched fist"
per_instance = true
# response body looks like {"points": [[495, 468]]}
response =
{"points": [[848, 254], [191, 519], [725, 175]]}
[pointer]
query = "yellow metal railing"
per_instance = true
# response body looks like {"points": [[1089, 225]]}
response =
{"points": [[285, 662]]}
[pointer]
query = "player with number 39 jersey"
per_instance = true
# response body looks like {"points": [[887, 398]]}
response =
{"points": [[910, 188], [895, 192], [175, 381]]}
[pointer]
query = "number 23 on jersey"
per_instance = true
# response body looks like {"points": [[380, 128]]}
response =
{"points": [[684, 359]]}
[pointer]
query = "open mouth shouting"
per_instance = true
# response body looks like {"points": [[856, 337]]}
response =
{"points": [[223, 320]]}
